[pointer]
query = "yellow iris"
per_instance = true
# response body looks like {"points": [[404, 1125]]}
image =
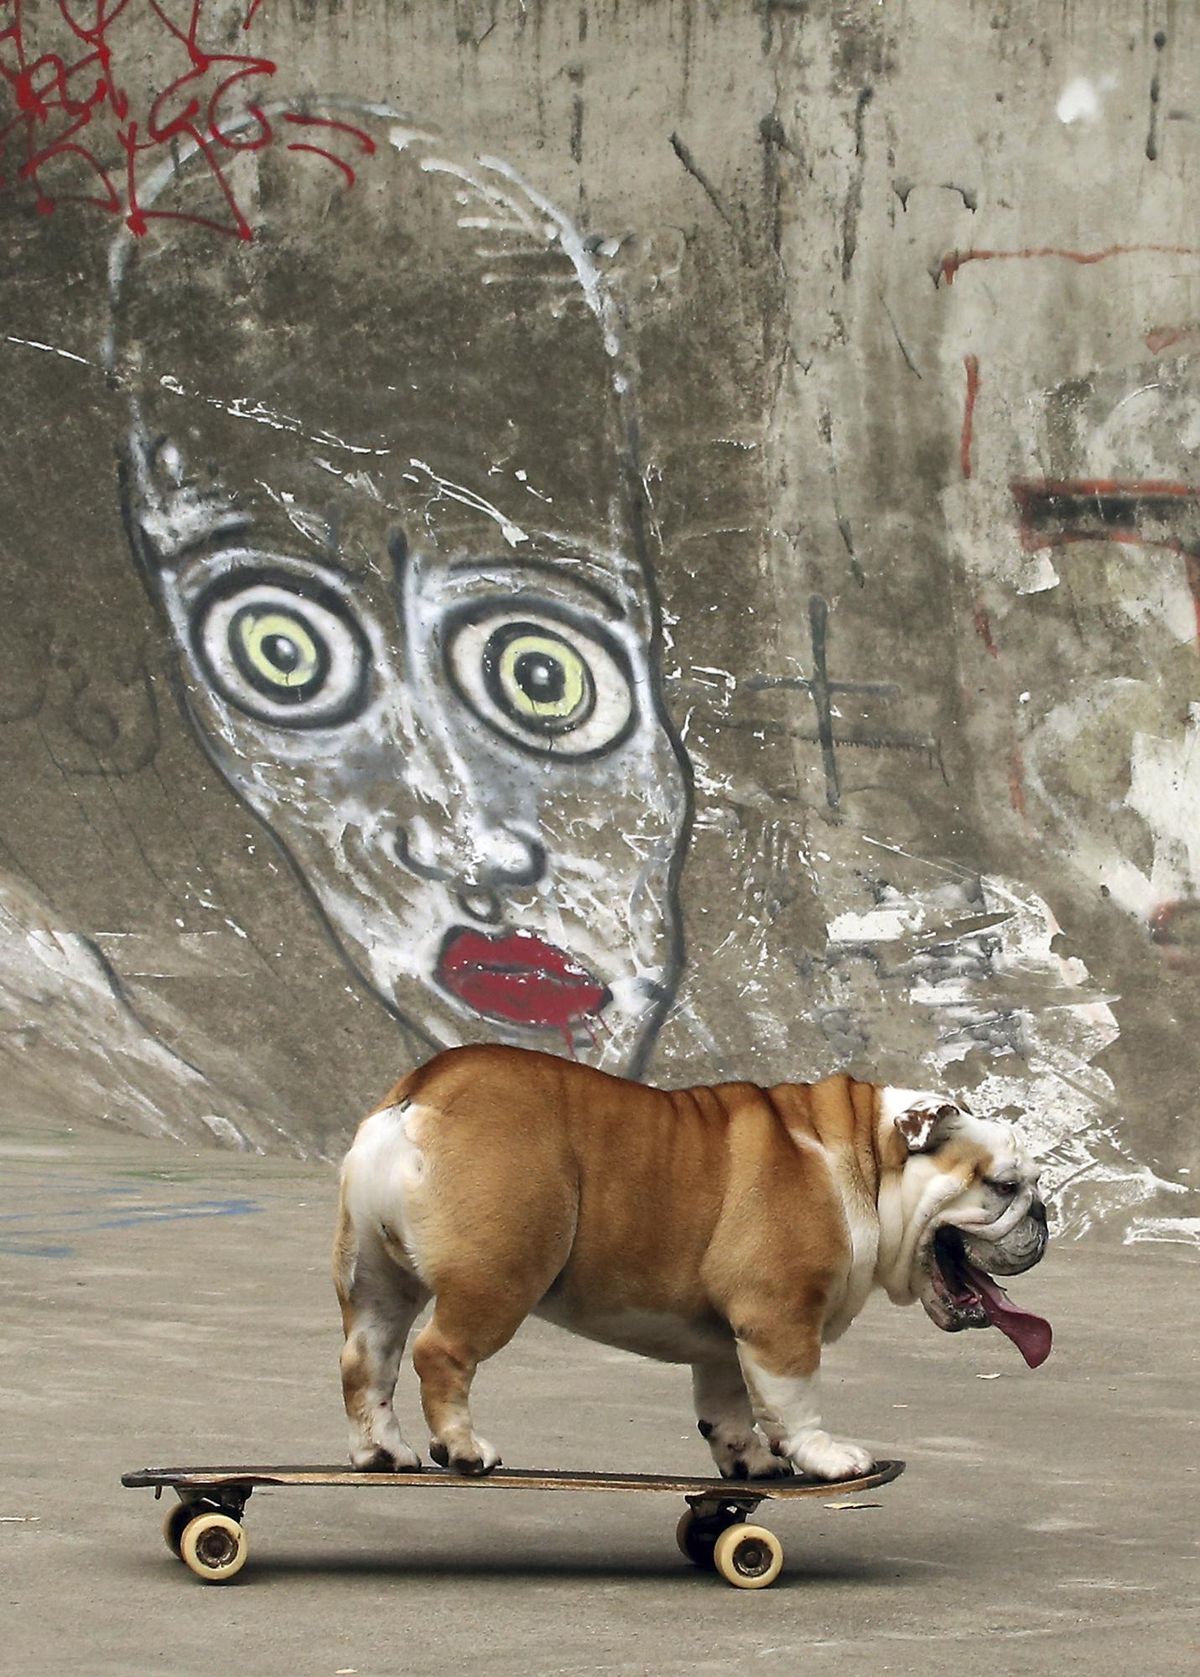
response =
{"points": [[542, 677], [280, 648]]}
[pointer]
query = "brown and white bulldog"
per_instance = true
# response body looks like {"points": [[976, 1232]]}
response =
{"points": [[734, 1228]]}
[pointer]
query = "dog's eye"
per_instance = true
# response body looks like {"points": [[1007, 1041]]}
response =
{"points": [[1003, 1187]]}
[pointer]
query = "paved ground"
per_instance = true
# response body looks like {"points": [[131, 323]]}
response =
{"points": [[164, 1306]]}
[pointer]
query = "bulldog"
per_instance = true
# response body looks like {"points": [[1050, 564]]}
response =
{"points": [[735, 1228]]}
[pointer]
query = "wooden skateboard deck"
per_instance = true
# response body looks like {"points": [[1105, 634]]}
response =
{"points": [[204, 1528], [512, 1479]]}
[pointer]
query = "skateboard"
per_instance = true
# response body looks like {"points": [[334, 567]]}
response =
{"points": [[204, 1529]]}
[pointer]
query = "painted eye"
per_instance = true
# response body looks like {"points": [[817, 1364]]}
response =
{"points": [[545, 682], [283, 648], [538, 678]]}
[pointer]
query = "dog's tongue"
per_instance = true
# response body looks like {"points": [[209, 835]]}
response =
{"points": [[1032, 1335]]}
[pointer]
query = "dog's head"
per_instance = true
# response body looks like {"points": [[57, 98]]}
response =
{"points": [[963, 1207]]}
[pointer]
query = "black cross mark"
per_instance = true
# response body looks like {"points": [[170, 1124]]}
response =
{"points": [[821, 690]]}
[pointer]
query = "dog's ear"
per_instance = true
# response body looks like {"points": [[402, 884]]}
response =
{"points": [[921, 1119]]}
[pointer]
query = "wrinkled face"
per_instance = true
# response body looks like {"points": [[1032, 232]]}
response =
{"points": [[993, 1220], [381, 476], [969, 1209]]}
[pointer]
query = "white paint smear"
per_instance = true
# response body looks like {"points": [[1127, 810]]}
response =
{"points": [[49, 349], [1082, 99], [246, 407]]}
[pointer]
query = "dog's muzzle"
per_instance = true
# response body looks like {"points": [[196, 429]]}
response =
{"points": [[960, 1292], [1023, 1246]]}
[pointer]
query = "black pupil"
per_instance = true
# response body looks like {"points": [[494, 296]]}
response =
{"points": [[282, 652], [540, 677]]}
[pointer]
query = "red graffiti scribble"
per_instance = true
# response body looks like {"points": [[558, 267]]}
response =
{"points": [[1016, 783], [365, 140], [1162, 337], [971, 363], [950, 265], [983, 628], [1142, 512], [76, 108]]}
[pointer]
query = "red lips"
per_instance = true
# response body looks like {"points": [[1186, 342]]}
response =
{"points": [[516, 977]]}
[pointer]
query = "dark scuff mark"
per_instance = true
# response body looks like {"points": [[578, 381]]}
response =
{"points": [[908, 360], [1149, 513], [773, 134], [821, 691], [577, 128], [1160, 41], [854, 196], [856, 570], [767, 10], [968, 194], [714, 197], [575, 74], [903, 189]]}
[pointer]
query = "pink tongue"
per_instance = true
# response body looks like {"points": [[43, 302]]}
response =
{"points": [[1032, 1335]]}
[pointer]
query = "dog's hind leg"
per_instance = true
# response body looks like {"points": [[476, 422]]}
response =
{"points": [[478, 1307], [380, 1300], [726, 1420]]}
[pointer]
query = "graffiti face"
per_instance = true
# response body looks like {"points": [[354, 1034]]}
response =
{"points": [[448, 718]]}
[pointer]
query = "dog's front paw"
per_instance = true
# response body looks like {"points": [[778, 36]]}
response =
{"points": [[822, 1457], [470, 1456]]}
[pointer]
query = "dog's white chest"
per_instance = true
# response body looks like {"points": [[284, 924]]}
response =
{"points": [[862, 1229]]}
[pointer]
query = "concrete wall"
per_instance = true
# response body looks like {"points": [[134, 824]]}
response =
{"points": [[667, 531]]}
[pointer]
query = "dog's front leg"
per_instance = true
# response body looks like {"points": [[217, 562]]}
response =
{"points": [[783, 1381], [726, 1421]]}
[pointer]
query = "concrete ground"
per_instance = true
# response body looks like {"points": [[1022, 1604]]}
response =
{"points": [[159, 1306]]}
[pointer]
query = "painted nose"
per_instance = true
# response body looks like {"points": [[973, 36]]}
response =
{"points": [[488, 859]]}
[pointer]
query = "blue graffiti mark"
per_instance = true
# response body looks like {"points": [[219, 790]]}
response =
{"points": [[18, 1251], [178, 1213], [18, 1244]]}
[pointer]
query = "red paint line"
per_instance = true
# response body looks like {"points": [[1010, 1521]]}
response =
{"points": [[971, 363], [302, 120], [957, 259], [1162, 337], [1016, 782], [1127, 534], [983, 628], [320, 151]]}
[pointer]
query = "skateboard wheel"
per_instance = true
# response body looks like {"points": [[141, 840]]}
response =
{"points": [[174, 1522], [748, 1557], [695, 1543], [214, 1547]]}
